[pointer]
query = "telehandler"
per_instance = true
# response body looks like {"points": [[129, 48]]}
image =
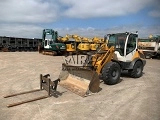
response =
{"points": [[122, 54]]}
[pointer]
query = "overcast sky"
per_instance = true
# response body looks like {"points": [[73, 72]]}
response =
{"points": [[89, 18]]}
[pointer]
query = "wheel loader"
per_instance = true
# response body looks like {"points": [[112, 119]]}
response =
{"points": [[122, 54], [81, 73]]}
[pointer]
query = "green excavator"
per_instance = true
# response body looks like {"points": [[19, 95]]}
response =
{"points": [[50, 44]]}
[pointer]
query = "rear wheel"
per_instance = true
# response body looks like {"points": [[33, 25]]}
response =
{"points": [[111, 73], [137, 70], [148, 56]]}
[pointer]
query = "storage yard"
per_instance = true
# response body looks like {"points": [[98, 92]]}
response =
{"points": [[130, 99]]}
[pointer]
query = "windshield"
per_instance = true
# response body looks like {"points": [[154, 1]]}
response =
{"points": [[112, 40], [48, 37], [118, 41]]}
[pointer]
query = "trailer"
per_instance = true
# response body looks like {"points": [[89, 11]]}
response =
{"points": [[12, 44]]}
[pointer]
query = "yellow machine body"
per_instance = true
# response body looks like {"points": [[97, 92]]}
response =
{"points": [[70, 47], [84, 46], [94, 46]]}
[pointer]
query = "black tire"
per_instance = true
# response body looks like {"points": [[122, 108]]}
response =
{"points": [[137, 70], [148, 56], [111, 73]]}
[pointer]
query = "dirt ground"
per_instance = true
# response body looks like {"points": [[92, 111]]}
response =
{"points": [[131, 99]]}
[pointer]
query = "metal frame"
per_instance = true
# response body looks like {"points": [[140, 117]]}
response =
{"points": [[45, 84]]}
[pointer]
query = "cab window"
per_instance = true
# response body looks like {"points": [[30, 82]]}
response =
{"points": [[131, 44], [45, 43]]}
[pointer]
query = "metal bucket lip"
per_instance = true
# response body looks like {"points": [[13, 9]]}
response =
{"points": [[75, 85], [87, 68], [87, 82]]}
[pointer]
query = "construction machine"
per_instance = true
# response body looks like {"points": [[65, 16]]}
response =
{"points": [[50, 44], [90, 44], [82, 77], [84, 44], [75, 43], [71, 42], [95, 43], [150, 46]]}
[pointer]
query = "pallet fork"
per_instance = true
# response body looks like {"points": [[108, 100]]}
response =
{"points": [[45, 84]]}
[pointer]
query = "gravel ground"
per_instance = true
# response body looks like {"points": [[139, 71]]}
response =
{"points": [[131, 99]]}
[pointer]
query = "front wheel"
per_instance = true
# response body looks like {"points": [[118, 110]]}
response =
{"points": [[136, 72], [111, 73], [148, 56]]}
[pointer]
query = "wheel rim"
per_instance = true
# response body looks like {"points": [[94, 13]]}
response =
{"points": [[115, 73]]}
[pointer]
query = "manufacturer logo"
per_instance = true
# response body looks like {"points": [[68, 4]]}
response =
{"points": [[77, 60]]}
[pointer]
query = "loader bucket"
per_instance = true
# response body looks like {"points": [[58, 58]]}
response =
{"points": [[79, 80]]}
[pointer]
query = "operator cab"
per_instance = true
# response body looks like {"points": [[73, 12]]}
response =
{"points": [[48, 42], [49, 37], [125, 45]]}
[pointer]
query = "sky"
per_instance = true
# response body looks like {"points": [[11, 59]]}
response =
{"points": [[86, 18]]}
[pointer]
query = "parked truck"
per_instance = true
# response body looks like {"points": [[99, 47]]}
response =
{"points": [[150, 46]]}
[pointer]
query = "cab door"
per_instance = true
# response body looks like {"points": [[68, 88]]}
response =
{"points": [[130, 47], [46, 44]]}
